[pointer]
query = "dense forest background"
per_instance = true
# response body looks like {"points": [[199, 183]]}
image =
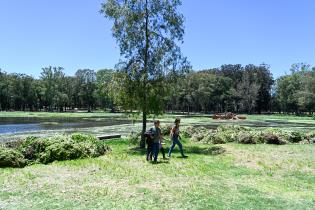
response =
{"points": [[229, 88]]}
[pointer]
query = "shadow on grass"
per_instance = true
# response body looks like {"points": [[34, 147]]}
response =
{"points": [[159, 162], [213, 150], [137, 151]]}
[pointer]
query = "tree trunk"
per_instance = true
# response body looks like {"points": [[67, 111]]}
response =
{"points": [[144, 109]]}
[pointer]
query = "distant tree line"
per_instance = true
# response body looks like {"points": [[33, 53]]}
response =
{"points": [[54, 91], [230, 88]]}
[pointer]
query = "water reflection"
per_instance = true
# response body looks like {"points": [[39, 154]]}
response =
{"points": [[23, 125]]}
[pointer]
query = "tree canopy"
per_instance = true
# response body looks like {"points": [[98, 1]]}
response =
{"points": [[148, 33]]}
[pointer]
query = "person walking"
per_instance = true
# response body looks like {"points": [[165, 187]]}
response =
{"points": [[149, 142], [156, 135], [175, 139]]}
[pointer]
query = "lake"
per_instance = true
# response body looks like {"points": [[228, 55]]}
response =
{"points": [[11, 126]]}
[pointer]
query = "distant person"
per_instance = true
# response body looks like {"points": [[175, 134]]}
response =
{"points": [[161, 147], [149, 142], [157, 136], [175, 138]]}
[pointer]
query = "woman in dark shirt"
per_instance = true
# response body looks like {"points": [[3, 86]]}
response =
{"points": [[175, 138]]}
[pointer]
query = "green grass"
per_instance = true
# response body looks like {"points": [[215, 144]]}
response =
{"points": [[57, 114], [245, 177], [278, 117]]}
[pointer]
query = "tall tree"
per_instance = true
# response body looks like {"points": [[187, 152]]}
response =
{"points": [[4, 91], [86, 85], [52, 79], [103, 79], [248, 89], [147, 32]]}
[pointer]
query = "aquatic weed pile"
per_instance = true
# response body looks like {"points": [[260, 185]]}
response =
{"points": [[245, 135], [46, 150]]}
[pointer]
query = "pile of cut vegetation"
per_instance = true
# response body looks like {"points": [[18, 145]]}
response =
{"points": [[46, 150], [240, 134]]}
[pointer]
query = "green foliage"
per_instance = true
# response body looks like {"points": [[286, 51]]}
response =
{"points": [[32, 147], [134, 138], [210, 137], [198, 136], [47, 150], [244, 135], [166, 130], [150, 52], [310, 137], [215, 150], [294, 136], [246, 138], [11, 158], [188, 131], [231, 133], [271, 138]]}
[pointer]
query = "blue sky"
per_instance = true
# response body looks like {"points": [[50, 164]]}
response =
{"points": [[72, 34]]}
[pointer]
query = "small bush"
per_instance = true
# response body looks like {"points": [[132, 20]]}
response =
{"points": [[11, 158], [189, 131], [271, 138], [235, 128], [258, 137], [294, 137], [310, 137], [230, 133], [215, 150], [246, 138], [32, 147], [134, 138], [62, 147], [208, 137], [197, 136], [219, 139], [166, 130]]}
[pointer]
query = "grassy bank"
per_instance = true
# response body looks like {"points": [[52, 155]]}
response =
{"points": [[167, 116], [244, 177], [57, 114]]}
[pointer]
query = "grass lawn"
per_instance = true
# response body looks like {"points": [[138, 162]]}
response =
{"points": [[244, 177], [19, 114]]}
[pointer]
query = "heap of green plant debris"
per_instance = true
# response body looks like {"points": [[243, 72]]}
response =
{"points": [[235, 133], [46, 150]]}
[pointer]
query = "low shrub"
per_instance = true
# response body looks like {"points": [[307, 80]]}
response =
{"points": [[166, 130], [280, 134], [32, 147], [215, 150], [246, 138], [235, 128], [134, 138], [310, 137], [245, 135], [47, 150], [11, 158], [198, 136], [189, 131], [271, 138], [230, 133], [294, 137], [209, 137], [219, 138]]}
